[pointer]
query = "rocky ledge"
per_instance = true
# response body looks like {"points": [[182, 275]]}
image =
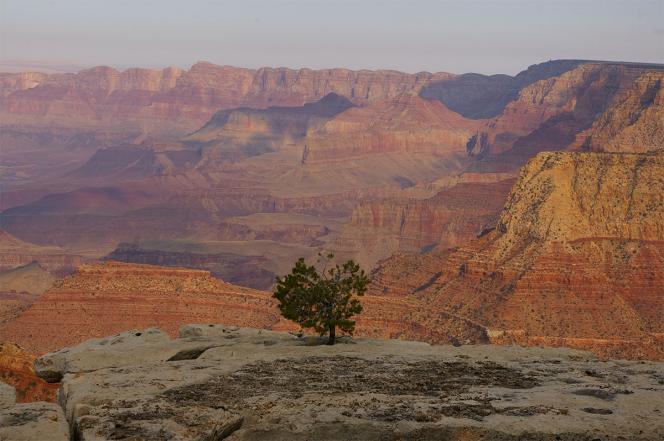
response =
{"points": [[216, 382]]}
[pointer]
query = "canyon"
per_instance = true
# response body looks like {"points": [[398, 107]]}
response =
{"points": [[546, 270], [106, 298], [506, 209], [573, 260], [512, 227]]}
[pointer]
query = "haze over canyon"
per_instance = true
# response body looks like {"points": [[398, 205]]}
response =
{"points": [[521, 210], [239, 172]]}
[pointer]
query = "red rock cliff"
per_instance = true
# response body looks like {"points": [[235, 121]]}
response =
{"points": [[575, 260], [175, 101]]}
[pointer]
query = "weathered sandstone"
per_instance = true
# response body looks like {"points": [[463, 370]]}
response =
{"points": [[254, 384], [636, 122], [574, 260], [17, 370], [33, 421]]}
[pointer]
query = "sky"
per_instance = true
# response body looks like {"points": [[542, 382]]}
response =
{"points": [[485, 36]]}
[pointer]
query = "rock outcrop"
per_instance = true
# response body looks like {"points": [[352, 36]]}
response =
{"points": [[100, 299], [33, 421], [574, 260], [254, 384], [29, 421], [17, 370]]}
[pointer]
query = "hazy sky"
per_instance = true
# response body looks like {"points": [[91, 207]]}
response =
{"points": [[411, 35]]}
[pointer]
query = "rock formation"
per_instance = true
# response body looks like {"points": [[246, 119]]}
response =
{"points": [[557, 113], [104, 298], [636, 122], [566, 264], [175, 101], [235, 268], [109, 297], [479, 96], [574, 259], [451, 217], [221, 382], [15, 253], [240, 172], [30, 421], [31, 278], [275, 142], [231, 135], [17, 370], [405, 124]]}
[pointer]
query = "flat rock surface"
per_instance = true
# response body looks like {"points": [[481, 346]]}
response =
{"points": [[33, 422], [124, 349], [7, 396], [254, 384]]}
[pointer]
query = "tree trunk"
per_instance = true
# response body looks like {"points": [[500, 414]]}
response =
{"points": [[333, 332]]}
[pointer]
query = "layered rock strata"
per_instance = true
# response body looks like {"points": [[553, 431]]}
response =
{"points": [[173, 100], [104, 298], [15, 253], [404, 124], [604, 106], [109, 297], [574, 259], [450, 218]]}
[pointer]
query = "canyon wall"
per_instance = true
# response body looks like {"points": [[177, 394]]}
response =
{"points": [[176, 101], [406, 124], [451, 217], [575, 259], [15, 253], [636, 122], [107, 298], [111, 297], [595, 100]]}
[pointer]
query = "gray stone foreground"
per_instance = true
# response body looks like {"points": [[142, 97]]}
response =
{"points": [[30, 421], [217, 382]]}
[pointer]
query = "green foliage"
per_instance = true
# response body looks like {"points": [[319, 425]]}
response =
{"points": [[323, 300]]}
